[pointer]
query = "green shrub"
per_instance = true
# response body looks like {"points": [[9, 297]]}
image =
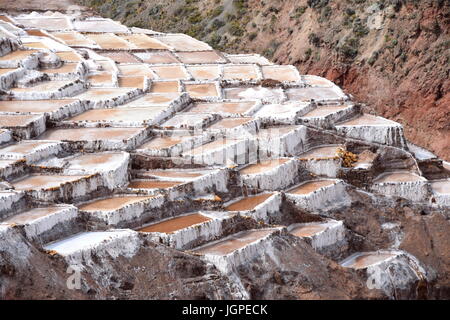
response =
{"points": [[195, 18], [317, 4], [235, 29], [216, 12], [314, 39], [349, 49], [308, 53], [271, 49], [359, 28], [217, 24]]}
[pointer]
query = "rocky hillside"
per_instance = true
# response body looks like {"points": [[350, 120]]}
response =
{"points": [[391, 54]]}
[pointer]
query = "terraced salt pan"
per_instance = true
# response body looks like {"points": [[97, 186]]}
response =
{"points": [[420, 153], [203, 57], [69, 56], [261, 207], [204, 72], [189, 230], [186, 120], [238, 249], [327, 116], [129, 117], [226, 109], [142, 41], [153, 99], [111, 204], [12, 59], [156, 57], [281, 141], [152, 184], [120, 56], [6, 19], [10, 77], [5, 136], [30, 150], [373, 129], [248, 203], [316, 94], [70, 67], [441, 192], [44, 182], [74, 39], [248, 58], [111, 166], [263, 166], [46, 43], [366, 259], [99, 25], [35, 45], [132, 82], [165, 87], [319, 195], [239, 72], [175, 224], [321, 152], [230, 123], [108, 97], [110, 41], [392, 271], [238, 127], [322, 160], [162, 145], [182, 42], [57, 187], [101, 79], [274, 95], [202, 90], [24, 126], [103, 64], [10, 168], [55, 89], [98, 138], [221, 152], [316, 81], [43, 86], [35, 106], [47, 23], [403, 184], [311, 186], [233, 243], [403, 176], [281, 73], [170, 72], [275, 174], [365, 160], [10, 201], [78, 249], [120, 209], [442, 187], [282, 114], [135, 69], [3, 71], [323, 236], [176, 174], [194, 182], [40, 223]]}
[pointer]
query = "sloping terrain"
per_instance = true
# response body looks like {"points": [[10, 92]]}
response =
{"points": [[391, 55], [137, 164]]}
